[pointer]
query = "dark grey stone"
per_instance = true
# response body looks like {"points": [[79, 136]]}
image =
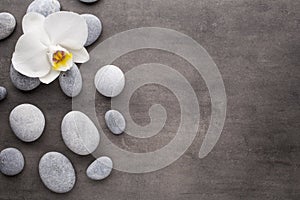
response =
{"points": [[23, 82], [115, 121], [44, 7], [71, 81], [7, 25], [94, 28], [100, 168], [27, 122], [57, 172], [11, 161], [88, 1], [3, 93]]}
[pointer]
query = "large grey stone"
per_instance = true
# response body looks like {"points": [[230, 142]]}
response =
{"points": [[100, 168], [109, 81], [115, 121], [94, 28], [27, 122], [71, 81], [79, 133], [44, 7], [11, 161], [7, 25], [57, 172], [23, 82], [3, 93]]}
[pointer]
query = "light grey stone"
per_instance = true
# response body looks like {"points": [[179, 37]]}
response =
{"points": [[88, 1], [11, 161], [79, 133], [7, 25], [27, 122], [71, 81], [94, 28], [44, 7], [3, 93], [115, 121], [109, 81], [23, 82], [100, 168], [57, 172]]}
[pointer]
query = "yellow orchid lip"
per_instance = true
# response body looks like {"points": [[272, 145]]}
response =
{"points": [[60, 59]]}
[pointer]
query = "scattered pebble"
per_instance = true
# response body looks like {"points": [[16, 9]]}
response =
{"points": [[100, 168], [115, 121], [3, 93], [109, 81], [57, 172], [44, 7], [94, 28], [79, 133], [27, 122], [23, 82], [11, 161], [88, 1], [7, 25], [71, 81]]}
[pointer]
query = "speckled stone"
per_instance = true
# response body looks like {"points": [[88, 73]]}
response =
{"points": [[115, 121], [44, 7], [94, 28], [27, 122], [7, 25], [88, 1], [22, 82], [11, 161], [57, 172], [3, 93], [100, 168], [79, 133], [71, 81], [109, 81]]}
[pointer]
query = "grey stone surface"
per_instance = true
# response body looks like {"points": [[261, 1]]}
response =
{"points": [[44, 7], [57, 172], [88, 1], [3, 93], [79, 133], [100, 168], [11, 161], [109, 81], [23, 82], [7, 24], [71, 81], [115, 121], [94, 28], [27, 122]]}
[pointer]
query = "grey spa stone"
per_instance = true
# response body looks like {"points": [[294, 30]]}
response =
{"points": [[100, 168], [11, 161], [71, 81], [23, 82], [7, 25], [88, 1], [44, 7], [115, 121], [94, 28], [3, 93]]}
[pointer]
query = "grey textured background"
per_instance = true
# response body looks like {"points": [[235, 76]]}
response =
{"points": [[255, 44]]}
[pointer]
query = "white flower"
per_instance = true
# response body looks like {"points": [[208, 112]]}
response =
{"points": [[50, 45]]}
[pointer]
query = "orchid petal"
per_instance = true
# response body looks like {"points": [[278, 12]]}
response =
{"points": [[80, 56], [51, 76], [67, 29]]}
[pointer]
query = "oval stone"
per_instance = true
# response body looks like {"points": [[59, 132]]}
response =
{"points": [[23, 82], [27, 122], [88, 1], [109, 81], [44, 7], [57, 172], [3, 93], [100, 168], [94, 28], [79, 133], [115, 121], [71, 81], [7, 25], [11, 161]]}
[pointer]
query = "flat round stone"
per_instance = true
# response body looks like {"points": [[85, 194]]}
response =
{"points": [[115, 121], [44, 7], [22, 82], [100, 168], [3, 93], [88, 1], [94, 28], [11, 161], [27, 122], [79, 133], [109, 81], [71, 81], [7, 25], [57, 172]]}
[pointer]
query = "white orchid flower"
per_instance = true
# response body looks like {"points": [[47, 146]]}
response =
{"points": [[50, 45]]}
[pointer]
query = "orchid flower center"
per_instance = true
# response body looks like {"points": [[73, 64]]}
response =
{"points": [[60, 58]]}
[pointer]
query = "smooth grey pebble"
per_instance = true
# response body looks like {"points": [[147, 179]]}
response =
{"points": [[100, 168], [7, 25], [88, 1], [44, 7], [115, 121], [11, 161], [71, 81], [94, 28], [3, 93], [23, 82]]}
